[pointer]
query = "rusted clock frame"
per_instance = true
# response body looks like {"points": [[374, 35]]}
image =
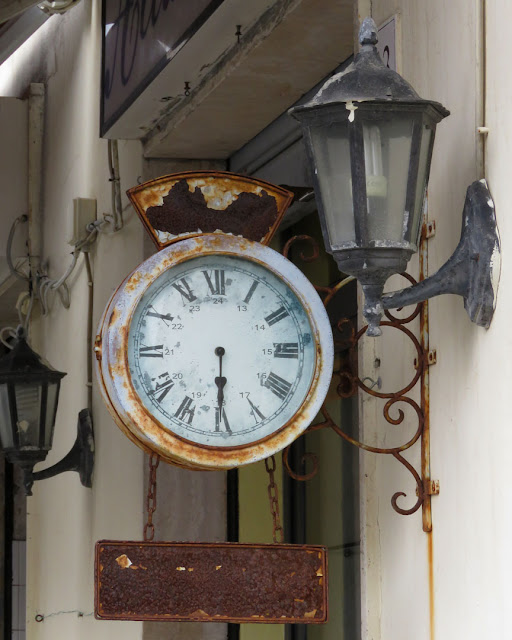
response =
{"points": [[112, 340]]}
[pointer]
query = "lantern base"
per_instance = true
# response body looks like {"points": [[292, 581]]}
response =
{"points": [[26, 459], [473, 270], [372, 267], [80, 458]]}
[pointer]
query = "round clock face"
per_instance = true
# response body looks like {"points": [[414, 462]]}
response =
{"points": [[220, 351], [214, 353]]}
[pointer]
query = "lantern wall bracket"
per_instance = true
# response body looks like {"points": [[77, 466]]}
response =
{"points": [[80, 457], [472, 271]]}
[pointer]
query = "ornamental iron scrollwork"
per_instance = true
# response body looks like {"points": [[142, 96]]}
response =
{"points": [[349, 383]]}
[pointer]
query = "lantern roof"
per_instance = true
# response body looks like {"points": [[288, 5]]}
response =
{"points": [[367, 78], [23, 364]]}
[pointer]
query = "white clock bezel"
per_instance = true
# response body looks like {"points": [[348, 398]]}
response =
{"points": [[121, 398]]}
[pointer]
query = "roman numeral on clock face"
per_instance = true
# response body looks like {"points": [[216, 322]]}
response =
{"points": [[256, 413], [276, 316], [286, 349], [279, 386], [217, 286], [251, 291], [183, 288], [157, 351], [163, 385], [224, 419], [186, 411]]}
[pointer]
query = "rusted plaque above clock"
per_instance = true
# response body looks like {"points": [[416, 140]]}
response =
{"points": [[221, 582], [186, 204]]}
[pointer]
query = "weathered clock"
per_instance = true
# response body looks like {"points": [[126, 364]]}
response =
{"points": [[217, 351]]}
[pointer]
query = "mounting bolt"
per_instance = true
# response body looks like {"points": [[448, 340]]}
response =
{"points": [[430, 359], [97, 347], [432, 487], [430, 229]]}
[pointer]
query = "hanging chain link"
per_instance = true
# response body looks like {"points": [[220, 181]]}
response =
{"points": [[273, 496], [149, 527]]}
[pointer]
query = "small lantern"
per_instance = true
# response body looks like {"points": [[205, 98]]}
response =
{"points": [[369, 138], [29, 394]]}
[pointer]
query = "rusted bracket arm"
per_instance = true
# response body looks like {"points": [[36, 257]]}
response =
{"points": [[472, 271]]}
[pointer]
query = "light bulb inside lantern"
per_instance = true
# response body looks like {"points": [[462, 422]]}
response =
{"points": [[376, 181]]}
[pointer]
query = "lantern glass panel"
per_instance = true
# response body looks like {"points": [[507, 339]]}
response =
{"points": [[387, 154], [331, 151], [6, 434], [28, 406], [51, 407], [421, 185]]}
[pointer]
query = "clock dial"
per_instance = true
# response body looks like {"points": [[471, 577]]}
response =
{"points": [[220, 351], [214, 353]]}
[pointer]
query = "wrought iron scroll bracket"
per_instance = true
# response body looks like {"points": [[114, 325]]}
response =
{"points": [[349, 383]]}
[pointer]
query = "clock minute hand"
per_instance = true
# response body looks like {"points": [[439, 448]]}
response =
{"points": [[220, 380]]}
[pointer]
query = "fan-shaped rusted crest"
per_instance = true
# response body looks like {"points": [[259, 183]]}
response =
{"points": [[181, 205]]}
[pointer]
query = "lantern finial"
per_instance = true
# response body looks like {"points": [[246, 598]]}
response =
{"points": [[368, 32]]}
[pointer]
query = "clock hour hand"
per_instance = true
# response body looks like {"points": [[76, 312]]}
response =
{"points": [[220, 380]]}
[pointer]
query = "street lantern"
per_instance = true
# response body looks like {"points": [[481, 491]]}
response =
{"points": [[369, 139], [29, 394]]}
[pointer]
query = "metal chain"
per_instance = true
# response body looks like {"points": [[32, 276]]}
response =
{"points": [[273, 496], [149, 527]]}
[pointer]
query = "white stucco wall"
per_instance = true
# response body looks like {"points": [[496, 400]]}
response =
{"points": [[64, 518], [470, 561]]}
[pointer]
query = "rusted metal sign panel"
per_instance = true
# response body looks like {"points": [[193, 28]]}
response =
{"points": [[181, 205], [220, 582]]}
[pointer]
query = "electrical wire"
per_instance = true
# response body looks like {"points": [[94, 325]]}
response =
{"points": [[113, 165], [10, 264], [12, 334], [29, 311], [54, 7], [90, 301], [111, 222], [44, 285]]}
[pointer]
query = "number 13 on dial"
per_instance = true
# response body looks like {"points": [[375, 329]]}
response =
{"points": [[214, 353]]}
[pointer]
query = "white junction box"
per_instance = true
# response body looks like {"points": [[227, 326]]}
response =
{"points": [[84, 212]]}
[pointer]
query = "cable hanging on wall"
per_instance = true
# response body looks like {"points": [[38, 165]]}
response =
{"points": [[42, 285]]}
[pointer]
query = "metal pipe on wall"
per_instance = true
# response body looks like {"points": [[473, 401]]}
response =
{"points": [[36, 106]]}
